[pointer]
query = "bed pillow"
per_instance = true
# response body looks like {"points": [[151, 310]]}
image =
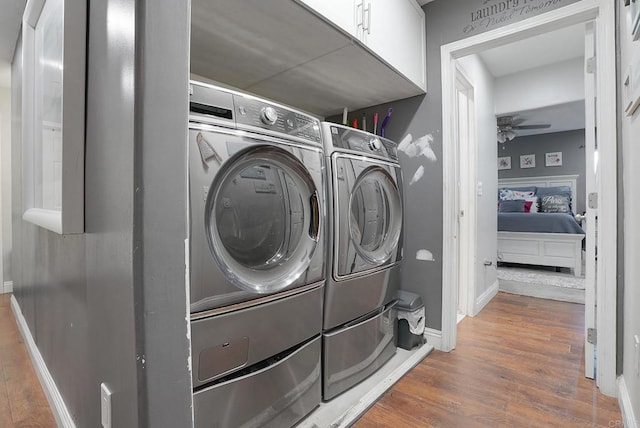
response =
{"points": [[555, 204], [506, 194], [531, 204], [556, 190], [511, 206]]}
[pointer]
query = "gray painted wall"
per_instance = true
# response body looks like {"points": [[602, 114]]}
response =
{"points": [[160, 169], [110, 305], [446, 22], [570, 143]]}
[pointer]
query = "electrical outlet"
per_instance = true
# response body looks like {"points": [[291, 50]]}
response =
{"points": [[636, 344], [105, 405]]}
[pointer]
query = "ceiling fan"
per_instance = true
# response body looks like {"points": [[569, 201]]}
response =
{"points": [[507, 125]]}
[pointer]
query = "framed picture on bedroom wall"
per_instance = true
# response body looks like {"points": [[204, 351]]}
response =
{"points": [[528, 161], [504, 162], [553, 159]]}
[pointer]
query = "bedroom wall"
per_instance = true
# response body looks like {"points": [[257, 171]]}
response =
{"points": [[630, 54], [545, 86], [570, 143], [446, 21], [486, 177]]}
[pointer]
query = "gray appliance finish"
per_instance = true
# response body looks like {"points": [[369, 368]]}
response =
{"points": [[256, 258], [364, 253]]}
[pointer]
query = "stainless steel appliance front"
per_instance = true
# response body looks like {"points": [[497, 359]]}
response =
{"points": [[257, 251], [366, 231]]}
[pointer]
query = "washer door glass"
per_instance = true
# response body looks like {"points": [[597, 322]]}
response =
{"points": [[375, 221], [262, 219]]}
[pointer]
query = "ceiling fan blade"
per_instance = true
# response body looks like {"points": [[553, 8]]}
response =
{"points": [[515, 122], [532, 126], [504, 120]]}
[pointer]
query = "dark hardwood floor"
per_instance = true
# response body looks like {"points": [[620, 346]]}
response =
{"points": [[519, 363], [22, 402]]}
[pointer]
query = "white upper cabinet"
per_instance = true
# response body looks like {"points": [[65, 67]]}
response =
{"points": [[341, 13], [394, 30]]}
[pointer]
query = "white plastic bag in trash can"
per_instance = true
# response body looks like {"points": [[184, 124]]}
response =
{"points": [[415, 320]]}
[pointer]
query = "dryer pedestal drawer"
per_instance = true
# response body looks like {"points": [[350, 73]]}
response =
{"points": [[223, 344], [276, 396], [352, 353]]}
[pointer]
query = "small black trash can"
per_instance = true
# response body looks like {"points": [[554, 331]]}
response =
{"points": [[410, 319]]}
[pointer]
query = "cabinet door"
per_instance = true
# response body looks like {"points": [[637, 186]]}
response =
{"points": [[395, 31], [341, 13]]}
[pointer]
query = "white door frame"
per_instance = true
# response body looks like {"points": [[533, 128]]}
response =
{"points": [[603, 13]]}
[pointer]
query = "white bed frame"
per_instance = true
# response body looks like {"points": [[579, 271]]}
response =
{"points": [[544, 249]]}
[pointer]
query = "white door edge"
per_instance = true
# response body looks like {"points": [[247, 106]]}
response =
{"points": [[603, 12]]}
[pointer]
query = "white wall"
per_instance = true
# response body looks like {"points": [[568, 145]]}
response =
{"points": [[631, 178], [486, 176], [5, 185], [540, 87]]}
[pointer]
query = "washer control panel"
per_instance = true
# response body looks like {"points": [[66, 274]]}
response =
{"points": [[356, 140], [258, 113]]}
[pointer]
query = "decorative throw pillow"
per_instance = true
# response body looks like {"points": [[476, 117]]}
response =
{"points": [[531, 204], [510, 194], [555, 204], [511, 206], [556, 190]]}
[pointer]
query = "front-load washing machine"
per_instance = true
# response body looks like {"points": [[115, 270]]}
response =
{"points": [[364, 251], [256, 251]]}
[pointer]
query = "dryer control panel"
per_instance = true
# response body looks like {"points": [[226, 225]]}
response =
{"points": [[350, 139]]}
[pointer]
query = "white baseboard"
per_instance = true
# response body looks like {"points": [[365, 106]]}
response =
{"points": [[434, 338], [58, 408], [626, 407], [7, 287], [485, 298]]}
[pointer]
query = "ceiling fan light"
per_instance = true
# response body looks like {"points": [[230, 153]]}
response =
{"points": [[502, 138]]}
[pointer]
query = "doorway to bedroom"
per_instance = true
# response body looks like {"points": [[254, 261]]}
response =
{"points": [[544, 156]]}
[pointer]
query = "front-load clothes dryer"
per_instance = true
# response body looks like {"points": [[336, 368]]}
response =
{"points": [[364, 254], [256, 258]]}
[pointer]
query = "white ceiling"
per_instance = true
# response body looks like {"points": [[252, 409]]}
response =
{"points": [[543, 50], [10, 20]]}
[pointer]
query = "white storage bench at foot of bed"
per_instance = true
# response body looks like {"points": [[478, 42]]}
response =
{"points": [[544, 249]]}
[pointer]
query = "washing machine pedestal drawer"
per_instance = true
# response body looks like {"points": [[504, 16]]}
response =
{"points": [[278, 395], [352, 353]]}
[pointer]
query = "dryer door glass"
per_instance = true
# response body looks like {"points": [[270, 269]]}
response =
{"points": [[262, 219], [373, 219]]}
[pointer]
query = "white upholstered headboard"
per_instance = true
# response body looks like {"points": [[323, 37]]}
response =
{"points": [[548, 181]]}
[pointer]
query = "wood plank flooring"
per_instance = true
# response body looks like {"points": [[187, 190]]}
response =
{"points": [[519, 363], [22, 402]]}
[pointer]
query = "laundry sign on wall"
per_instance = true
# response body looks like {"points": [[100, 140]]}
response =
{"points": [[495, 13]]}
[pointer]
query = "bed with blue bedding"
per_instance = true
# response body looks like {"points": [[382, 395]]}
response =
{"points": [[536, 224]]}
